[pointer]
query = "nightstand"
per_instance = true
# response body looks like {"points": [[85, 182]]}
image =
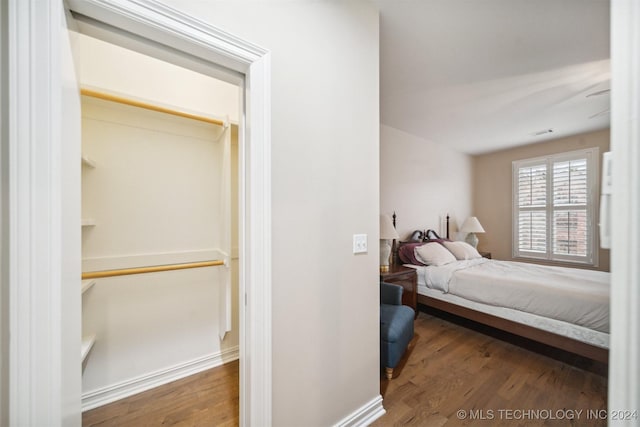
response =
{"points": [[485, 254], [407, 278]]}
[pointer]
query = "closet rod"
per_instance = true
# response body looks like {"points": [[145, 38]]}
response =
{"points": [[149, 269], [140, 104]]}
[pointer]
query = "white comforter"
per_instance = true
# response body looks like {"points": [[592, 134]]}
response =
{"points": [[572, 295]]}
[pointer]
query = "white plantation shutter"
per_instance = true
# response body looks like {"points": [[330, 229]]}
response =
{"points": [[554, 207], [570, 231], [532, 202], [533, 231]]}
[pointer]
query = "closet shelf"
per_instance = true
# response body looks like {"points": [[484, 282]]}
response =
{"points": [[87, 284], [88, 222], [88, 162], [87, 345]]}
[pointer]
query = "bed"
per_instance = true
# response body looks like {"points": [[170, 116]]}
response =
{"points": [[566, 308]]}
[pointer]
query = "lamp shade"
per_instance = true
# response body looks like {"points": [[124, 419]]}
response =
{"points": [[387, 230], [472, 225]]}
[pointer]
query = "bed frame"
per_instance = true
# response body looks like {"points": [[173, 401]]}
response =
{"points": [[539, 335]]}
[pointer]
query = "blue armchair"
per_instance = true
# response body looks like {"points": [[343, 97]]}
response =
{"points": [[396, 326]]}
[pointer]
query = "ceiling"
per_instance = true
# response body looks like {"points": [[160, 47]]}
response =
{"points": [[484, 75]]}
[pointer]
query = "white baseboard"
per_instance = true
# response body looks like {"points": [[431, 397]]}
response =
{"points": [[364, 415], [109, 394]]}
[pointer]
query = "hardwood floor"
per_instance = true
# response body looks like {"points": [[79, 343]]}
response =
{"points": [[459, 376], [209, 398], [451, 368]]}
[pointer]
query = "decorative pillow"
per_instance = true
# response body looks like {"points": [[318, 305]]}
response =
{"points": [[462, 250], [407, 255], [434, 254]]}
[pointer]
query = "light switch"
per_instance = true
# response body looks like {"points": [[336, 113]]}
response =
{"points": [[359, 243]]}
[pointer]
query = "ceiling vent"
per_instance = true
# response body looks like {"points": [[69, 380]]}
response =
{"points": [[542, 132]]}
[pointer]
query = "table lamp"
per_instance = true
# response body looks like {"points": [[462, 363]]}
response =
{"points": [[387, 232], [471, 225]]}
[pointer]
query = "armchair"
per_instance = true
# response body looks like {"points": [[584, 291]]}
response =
{"points": [[396, 327]]}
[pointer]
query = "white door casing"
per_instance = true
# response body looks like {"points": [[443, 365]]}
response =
{"points": [[44, 201], [37, 151], [624, 355]]}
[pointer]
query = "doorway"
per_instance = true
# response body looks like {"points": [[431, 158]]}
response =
{"points": [[43, 367], [159, 221], [168, 44]]}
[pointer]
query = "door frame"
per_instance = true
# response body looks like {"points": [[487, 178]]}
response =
{"points": [[34, 202], [624, 354]]}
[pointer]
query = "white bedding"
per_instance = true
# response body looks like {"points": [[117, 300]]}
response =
{"points": [[576, 296]]}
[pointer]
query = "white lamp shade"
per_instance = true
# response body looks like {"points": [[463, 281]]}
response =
{"points": [[472, 225], [387, 230]]}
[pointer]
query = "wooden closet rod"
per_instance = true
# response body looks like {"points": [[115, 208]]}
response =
{"points": [[140, 104], [150, 269]]}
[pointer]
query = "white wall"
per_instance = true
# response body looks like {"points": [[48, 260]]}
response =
{"points": [[423, 181], [153, 80], [325, 148], [156, 186]]}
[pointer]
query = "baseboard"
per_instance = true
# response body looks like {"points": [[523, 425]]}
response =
{"points": [[109, 394], [364, 415]]}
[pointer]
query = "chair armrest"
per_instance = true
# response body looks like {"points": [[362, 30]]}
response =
{"points": [[390, 294]]}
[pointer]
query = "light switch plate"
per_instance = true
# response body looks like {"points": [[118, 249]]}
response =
{"points": [[359, 243]]}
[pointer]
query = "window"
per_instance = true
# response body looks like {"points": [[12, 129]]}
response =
{"points": [[554, 206]]}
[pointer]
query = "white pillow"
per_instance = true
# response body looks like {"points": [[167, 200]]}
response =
{"points": [[433, 254], [462, 250]]}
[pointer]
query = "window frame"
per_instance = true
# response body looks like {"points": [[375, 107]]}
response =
{"points": [[592, 156]]}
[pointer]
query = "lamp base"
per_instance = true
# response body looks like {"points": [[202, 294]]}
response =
{"points": [[385, 251], [472, 239]]}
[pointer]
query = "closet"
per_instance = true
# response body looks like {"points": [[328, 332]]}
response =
{"points": [[159, 198]]}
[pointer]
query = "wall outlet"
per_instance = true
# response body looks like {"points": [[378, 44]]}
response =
{"points": [[359, 243]]}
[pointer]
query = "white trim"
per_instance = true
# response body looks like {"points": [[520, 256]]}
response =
{"points": [[34, 222], [365, 415], [109, 394], [153, 20], [255, 253], [34, 187], [624, 356], [4, 218]]}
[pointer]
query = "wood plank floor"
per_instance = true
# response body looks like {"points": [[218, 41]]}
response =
{"points": [[452, 368], [491, 382], [209, 398]]}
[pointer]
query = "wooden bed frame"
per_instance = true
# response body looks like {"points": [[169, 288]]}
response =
{"points": [[539, 335], [545, 337]]}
